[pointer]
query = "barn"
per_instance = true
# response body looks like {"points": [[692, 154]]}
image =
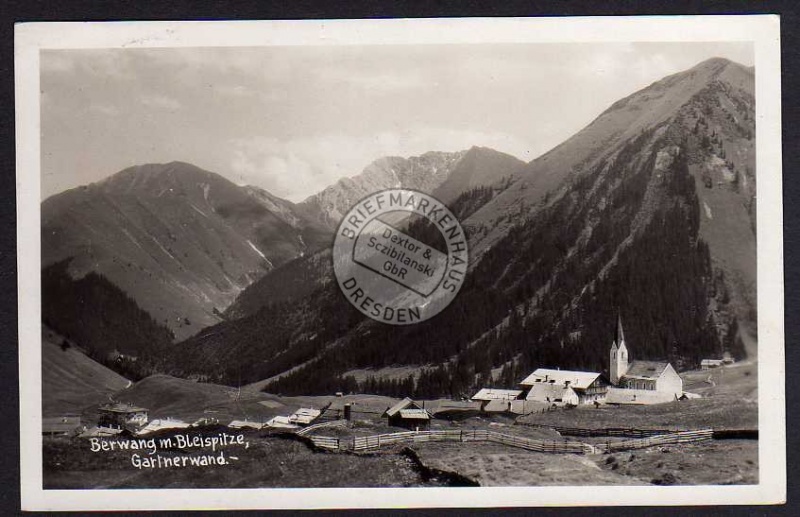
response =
{"points": [[409, 415], [494, 400]]}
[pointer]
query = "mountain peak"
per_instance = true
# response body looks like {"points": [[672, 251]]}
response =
{"points": [[477, 149], [157, 178], [424, 172], [722, 68], [180, 240], [644, 110], [713, 62]]}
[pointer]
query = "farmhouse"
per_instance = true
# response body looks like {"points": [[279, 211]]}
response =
{"points": [[492, 399], [409, 415], [122, 416], [61, 426], [640, 382], [564, 387], [487, 394]]}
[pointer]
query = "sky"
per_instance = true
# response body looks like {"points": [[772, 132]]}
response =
{"points": [[295, 119]]}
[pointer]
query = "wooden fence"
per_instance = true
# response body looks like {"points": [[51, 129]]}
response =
{"points": [[375, 442], [365, 443], [652, 441], [362, 443], [606, 431], [325, 442], [332, 423]]}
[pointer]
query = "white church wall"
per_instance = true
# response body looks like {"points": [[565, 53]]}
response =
{"points": [[629, 396], [670, 382]]}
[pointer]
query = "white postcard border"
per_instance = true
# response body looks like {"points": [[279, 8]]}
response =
{"points": [[763, 30]]}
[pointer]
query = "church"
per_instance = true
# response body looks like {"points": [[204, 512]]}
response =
{"points": [[631, 382], [642, 382]]}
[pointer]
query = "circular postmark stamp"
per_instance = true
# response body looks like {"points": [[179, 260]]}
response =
{"points": [[385, 266]]}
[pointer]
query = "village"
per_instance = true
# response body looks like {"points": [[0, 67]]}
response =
{"points": [[640, 404], [631, 382]]}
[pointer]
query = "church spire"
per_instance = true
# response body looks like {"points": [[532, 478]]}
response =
{"points": [[619, 336], [619, 355]]}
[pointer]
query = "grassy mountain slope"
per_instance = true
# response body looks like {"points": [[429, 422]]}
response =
{"points": [[71, 381], [181, 241]]}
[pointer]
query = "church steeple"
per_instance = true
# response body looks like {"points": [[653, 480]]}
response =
{"points": [[619, 355], [619, 335]]}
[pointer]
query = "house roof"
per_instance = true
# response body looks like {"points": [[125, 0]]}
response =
{"points": [[163, 423], [122, 408], [645, 369], [281, 421], [495, 394], [304, 415], [577, 380], [239, 424], [406, 403], [415, 414], [546, 392]]}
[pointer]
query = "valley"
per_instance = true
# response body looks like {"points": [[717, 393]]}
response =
{"points": [[178, 293]]}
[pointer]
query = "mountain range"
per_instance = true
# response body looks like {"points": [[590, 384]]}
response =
{"points": [[647, 213]]}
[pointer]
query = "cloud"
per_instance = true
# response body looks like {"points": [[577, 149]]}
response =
{"points": [[296, 119]]}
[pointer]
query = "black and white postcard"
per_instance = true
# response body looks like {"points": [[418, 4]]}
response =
{"points": [[417, 263]]}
